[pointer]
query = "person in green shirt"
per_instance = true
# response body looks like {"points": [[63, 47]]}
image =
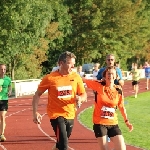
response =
{"points": [[135, 79], [5, 92]]}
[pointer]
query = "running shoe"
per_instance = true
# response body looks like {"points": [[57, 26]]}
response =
{"points": [[2, 137], [108, 139], [54, 147]]}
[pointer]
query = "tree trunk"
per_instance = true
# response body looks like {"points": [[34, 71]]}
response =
{"points": [[13, 69], [13, 73]]}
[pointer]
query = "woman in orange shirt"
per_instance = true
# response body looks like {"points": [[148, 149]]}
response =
{"points": [[105, 120]]}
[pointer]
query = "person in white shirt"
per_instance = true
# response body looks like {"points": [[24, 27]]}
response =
{"points": [[55, 68], [79, 71], [95, 71]]}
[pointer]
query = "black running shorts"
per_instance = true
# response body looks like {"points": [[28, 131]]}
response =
{"points": [[135, 83], [3, 105], [102, 130]]}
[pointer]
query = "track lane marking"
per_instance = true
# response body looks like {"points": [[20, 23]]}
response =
{"points": [[49, 135]]}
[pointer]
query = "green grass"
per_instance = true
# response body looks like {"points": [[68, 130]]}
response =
{"points": [[138, 110]]}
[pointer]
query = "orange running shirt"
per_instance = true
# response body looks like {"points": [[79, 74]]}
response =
{"points": [[62, 91], [106, 104]]}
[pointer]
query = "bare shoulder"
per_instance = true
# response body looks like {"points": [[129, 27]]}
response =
{"points": [[121, 83]]}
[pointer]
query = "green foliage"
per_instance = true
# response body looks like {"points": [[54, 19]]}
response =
{"points": [[105, 26], [21, 26], [89, 28], [58, 29]]}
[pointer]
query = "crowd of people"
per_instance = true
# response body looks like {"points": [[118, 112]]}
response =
{"points": [[66, 92], [135, 73], [65, 85]]}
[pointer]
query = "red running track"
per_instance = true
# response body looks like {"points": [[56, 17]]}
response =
{"points": [[23, 134]]}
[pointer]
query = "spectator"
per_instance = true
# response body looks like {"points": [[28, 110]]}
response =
{"points": [[147, 74], [110, 61], [79, 71], [95, 71], [146, 65], [55, 68], [135, 79], [117, 64]]}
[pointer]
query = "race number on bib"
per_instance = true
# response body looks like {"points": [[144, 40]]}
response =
{"points": [[107, 112], [64, 91]]}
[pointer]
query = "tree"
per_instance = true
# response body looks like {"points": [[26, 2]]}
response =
{"points": [[56, 32], [141, 34], [105, 26], [32, 68], [22, 24]]}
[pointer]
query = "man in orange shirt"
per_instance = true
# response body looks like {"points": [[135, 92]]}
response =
{"points": [[109, 98], [65, 89]]}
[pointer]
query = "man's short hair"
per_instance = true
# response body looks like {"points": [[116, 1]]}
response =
{"points": [[108, 69], [96, 64], [79, 66], [2, 64], [66, 55], [110, 55]]}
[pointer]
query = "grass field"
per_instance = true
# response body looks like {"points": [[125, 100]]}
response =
{"points": [[138, 111]]}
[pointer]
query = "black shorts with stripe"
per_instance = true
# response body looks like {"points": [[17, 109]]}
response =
{"points": [[102, 130], [3, 105], [135, 82]]}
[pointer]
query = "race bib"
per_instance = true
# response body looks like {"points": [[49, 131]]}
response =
{"points": [[107, 112], [64, 91]]}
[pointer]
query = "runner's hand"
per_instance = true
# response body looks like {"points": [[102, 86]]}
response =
{"points": [[0, 88], [9, 93], [37, 118], [78, 100], [129, 125]]}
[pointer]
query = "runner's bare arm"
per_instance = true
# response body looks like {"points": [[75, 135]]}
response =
{"points": [[9, 90], [82, 97], [35, 100], [121, 82], [36, 116], [124, 114]]}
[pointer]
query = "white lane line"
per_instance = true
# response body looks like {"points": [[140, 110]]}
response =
{"points": [[17, 112], [2, 146], [12, 102], [48, 135], [78, 118]]}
